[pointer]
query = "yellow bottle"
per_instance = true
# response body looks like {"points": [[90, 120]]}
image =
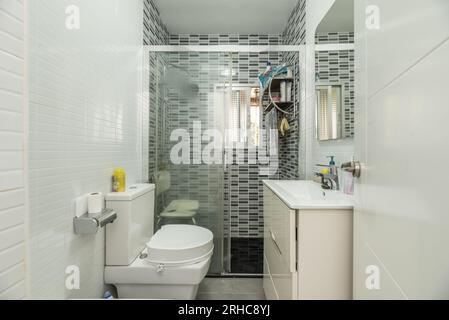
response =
{"points": [[119, 180]]}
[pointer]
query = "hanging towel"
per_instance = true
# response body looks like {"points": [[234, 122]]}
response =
{"points": [[264, 78], [284, 126]]}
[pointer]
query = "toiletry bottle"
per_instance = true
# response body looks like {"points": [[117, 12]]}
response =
{"points": [[332, 167], [288, 90], [119, 180], [268, 69], [283, 91]]}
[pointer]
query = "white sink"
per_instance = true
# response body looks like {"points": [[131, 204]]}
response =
{"points": [[300, 194]]}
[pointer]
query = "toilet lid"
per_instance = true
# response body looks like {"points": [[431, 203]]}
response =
{"points": [[180, 244]]}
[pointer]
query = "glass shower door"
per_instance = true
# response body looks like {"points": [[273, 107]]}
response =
{"points": [[185, 119]]}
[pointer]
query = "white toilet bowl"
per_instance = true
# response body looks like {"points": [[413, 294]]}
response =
{"points": [[167, 265], [172, 265], [141, 280]]}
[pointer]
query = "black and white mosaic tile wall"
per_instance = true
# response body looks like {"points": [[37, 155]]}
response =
{"points": [[294, 34], [338, 67], [225, 39], [154, 30], [334, 37], [155, 33], [295, 31]]}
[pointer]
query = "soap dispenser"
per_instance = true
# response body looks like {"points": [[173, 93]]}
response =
{"points": [[332, 167]]}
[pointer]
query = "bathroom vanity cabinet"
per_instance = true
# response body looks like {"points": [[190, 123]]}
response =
{"points": [[307, 242]]}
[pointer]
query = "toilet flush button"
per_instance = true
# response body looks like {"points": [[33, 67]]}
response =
{"points": [[143, 256]]}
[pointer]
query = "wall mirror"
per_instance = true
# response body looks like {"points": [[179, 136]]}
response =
{"points": [[334, 72]]}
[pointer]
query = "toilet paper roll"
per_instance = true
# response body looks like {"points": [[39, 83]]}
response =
{"points": [[95, 202]]}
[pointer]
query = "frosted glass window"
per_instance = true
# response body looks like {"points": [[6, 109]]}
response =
{"points": [[238, 114], [328, 115]]}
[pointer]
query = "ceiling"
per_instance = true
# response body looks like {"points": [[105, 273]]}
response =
{"points": [[340, 17], [225, 16]]}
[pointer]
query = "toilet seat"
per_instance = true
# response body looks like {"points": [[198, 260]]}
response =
{"points": [[177, 245]]}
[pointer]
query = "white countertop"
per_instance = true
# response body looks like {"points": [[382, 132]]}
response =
{"points": [[302, 194]]}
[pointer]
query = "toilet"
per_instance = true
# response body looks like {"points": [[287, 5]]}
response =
{"points": [[167, 265]]}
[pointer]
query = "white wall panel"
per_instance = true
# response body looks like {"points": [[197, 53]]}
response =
{"points": [[12, 131], [401, 214]]}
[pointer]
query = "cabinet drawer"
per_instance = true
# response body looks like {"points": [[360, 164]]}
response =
{"points": [[283, 279], [268, 285], [280, 228]]}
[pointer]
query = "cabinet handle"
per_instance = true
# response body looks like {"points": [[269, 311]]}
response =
{"points": [[274, 241]]}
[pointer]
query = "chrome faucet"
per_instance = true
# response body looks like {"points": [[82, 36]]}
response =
{"points": [[333, 178], [329, 181]]}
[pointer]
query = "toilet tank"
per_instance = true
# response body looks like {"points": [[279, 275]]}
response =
{"points": [[134, 226]]}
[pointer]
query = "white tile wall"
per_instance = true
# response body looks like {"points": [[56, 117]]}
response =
{"points": [[12, 170], [343, 150], [85, 119]]}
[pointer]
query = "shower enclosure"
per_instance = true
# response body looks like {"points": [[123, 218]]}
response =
{"points": [[203, 96]]}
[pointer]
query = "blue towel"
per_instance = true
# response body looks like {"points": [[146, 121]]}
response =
{"points": [[264, 79]]}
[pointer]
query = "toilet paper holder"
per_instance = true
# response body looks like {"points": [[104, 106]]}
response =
{"points": [[90, 224]]}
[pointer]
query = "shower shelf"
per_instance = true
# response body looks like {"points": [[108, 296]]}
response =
{"points": [[273, 85], [276, 82]]}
